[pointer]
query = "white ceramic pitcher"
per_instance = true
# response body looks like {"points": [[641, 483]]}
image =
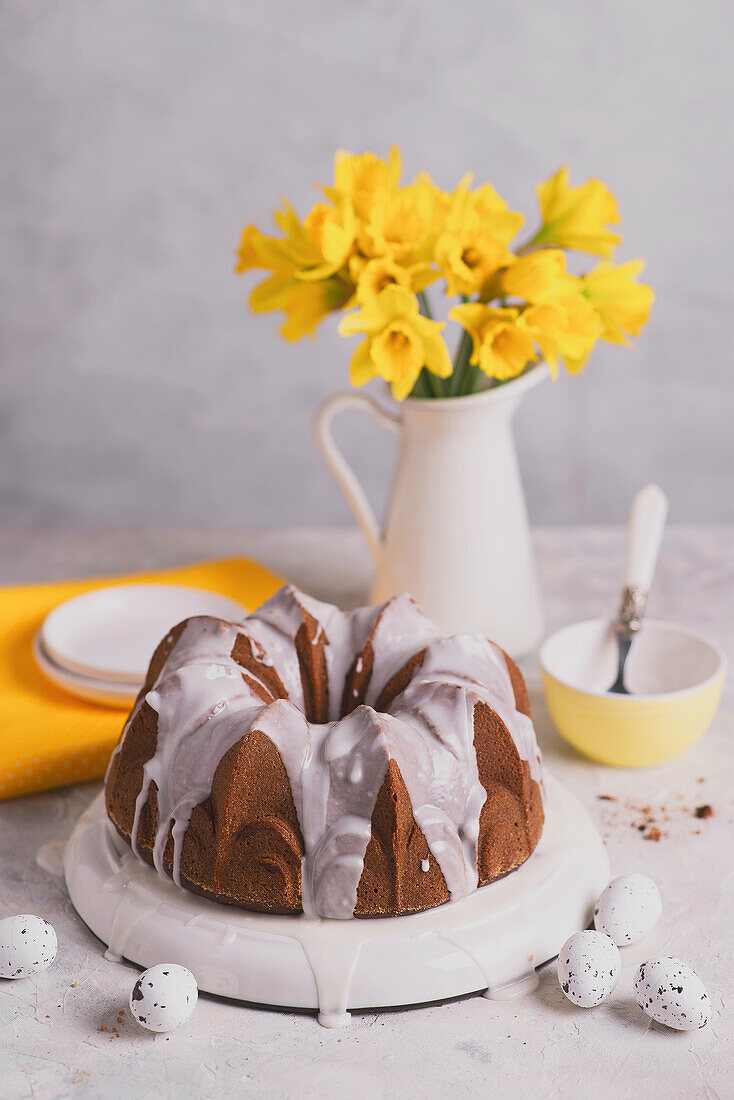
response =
{"points": [[457, 536]]}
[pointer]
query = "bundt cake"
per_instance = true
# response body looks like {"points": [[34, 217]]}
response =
{"points": [[309, 760]]}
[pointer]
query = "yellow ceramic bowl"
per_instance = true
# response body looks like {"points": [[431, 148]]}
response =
{"points": [[675, 676]]}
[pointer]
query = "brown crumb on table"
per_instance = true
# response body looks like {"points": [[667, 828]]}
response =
{"points": [[704, 811], [606, 797], [652, 834]]}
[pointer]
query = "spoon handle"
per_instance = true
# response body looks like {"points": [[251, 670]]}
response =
{"points": [[644, 534]]}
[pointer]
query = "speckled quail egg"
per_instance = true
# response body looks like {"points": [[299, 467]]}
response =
{"points": [[588, 968], [628, 908], [28, 945], [673, 994], [163, 997]]}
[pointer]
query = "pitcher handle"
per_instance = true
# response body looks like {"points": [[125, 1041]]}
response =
{"points": [[340, 468]]}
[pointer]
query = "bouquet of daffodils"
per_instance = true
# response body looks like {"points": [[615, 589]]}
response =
{"points": [[375, 247]]}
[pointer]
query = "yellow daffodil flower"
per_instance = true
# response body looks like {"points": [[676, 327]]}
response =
{"points": [[534, 277], [305, 304], [399, 343], [402, 224], [362, 177], [473, 243], [500, 346], [489, 207], [296, 248], [563, 326], [623, 305], [576, 217], [259, 251], [372, 276], [332, 230], [297, 244], [469, 254]]}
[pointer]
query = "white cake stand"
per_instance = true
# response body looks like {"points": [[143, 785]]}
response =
{"points": [[492, 940]]}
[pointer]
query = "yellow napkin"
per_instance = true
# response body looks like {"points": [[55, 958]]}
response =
{"points": [[49, 738]]}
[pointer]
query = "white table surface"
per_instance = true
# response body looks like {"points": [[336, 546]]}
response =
{"points": [[56, 1030]]}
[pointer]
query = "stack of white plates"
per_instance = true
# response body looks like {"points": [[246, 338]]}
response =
{"points": [[98, 646]]}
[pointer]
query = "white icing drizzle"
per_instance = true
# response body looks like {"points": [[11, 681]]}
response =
{"points": [[205, 705], [335, 772], [401, 631], [472, 662], [435, 752], [50, 858], [274, 627]]}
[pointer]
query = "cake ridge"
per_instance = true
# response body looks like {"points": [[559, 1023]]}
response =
{"points": [[182, 698]]}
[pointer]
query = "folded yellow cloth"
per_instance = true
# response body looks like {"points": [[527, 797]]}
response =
{"points": [[49, 738]]}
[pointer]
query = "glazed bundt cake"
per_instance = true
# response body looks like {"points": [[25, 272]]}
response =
{"points": [[308, 760]]}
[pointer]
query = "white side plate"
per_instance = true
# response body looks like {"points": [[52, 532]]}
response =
{"points": [[491, 940], [106, 692], [111, 633]]}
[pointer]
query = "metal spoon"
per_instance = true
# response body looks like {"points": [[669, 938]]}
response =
{"points": [[644, 534]]}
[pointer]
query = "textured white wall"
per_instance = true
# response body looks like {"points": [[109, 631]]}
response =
{"points": [[137, 138]]}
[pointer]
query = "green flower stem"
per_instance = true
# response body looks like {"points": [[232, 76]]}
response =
{"points": [[428, 380], [434, 384], [427, 385], [423, 299], [420, 389], [461, 359], [540, 238], [462, 366], [472, 379]]}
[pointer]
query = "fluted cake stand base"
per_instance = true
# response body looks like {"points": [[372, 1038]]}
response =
{"points": [[491, 941]]}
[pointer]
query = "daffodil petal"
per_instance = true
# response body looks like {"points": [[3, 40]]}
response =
{"points": [[436, 357], [361, 368]]}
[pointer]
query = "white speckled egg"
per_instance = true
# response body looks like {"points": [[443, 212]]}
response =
{"points": [[588, 968], [163, 997], [28, 945], [673, 994], [628, 908]]}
